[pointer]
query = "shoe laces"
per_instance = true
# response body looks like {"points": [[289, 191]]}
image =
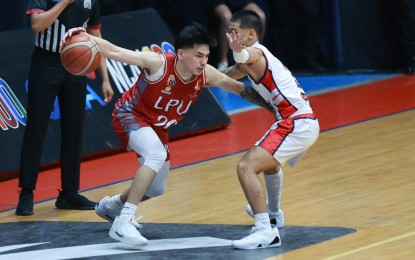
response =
{"points": [[26, 200], [74, 197], [128, 227], [253, 230], [131, 219], [25, 196], [109, 206], [135, 223]]}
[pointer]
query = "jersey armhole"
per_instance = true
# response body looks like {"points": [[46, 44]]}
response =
{"points": [[159, 74]]}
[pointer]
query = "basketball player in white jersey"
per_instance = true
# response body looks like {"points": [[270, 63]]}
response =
{"points": [[295, 130]]}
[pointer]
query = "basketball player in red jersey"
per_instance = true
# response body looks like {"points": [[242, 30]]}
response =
{"points": [[295, 130], [167, 86]]}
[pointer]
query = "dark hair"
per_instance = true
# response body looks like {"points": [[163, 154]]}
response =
{"points": [[194, 34], [248, 19]]}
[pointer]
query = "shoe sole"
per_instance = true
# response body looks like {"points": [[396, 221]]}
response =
{"points": [[256, 247], [74, 207], [24, 213], [103, 215], [115, 236]]}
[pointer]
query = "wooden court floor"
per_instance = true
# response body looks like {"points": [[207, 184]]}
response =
{"points": [[359, 176]]}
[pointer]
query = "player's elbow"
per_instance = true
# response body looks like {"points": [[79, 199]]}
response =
{"points": [[241, 88], [36, 22], [36, 27]]}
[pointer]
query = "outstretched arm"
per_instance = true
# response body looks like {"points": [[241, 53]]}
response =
{"points": [[217, 78], [235, 72], [251, 95], [149, 60]]}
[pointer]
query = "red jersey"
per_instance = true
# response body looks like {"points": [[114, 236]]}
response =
{"points": [[159, 104]]}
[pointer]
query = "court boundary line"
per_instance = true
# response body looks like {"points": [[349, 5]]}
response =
{"points": [[357, 250]]}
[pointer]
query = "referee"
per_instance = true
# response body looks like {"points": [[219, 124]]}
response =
{"points": [[48, 79]]}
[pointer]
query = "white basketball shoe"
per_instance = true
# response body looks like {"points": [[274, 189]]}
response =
{"points": [[276, 219], [123, 231], [108, 211], [259, 238]]}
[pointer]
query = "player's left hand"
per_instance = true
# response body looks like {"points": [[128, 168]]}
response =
{"points": [[235, 42]]}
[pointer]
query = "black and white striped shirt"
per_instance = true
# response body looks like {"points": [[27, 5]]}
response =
{"points": [[81, 13]]}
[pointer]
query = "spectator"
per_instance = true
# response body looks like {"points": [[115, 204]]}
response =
{"points": [[403, 12], [304, 25]]}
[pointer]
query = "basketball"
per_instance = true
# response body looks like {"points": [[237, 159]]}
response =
{"points": [[80, 54]]}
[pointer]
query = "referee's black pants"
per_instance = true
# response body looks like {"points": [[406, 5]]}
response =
{"points": [[48, 79]]}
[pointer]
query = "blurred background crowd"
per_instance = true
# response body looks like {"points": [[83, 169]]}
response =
{"points": [[308, 36]]}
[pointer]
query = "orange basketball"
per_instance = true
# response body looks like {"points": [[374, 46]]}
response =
{"points": [[80, 54]]}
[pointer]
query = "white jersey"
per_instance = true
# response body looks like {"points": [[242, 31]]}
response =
{"points": [[280, 88]]}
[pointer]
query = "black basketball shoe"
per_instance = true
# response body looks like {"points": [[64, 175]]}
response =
{"points": [[25, 205]]}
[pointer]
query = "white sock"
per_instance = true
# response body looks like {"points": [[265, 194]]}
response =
{"points": [[116, 201], [262, 221], [129, 209], [274, 187]]}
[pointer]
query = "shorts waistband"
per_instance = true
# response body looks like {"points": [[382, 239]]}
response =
{"points": [[306, 115]]}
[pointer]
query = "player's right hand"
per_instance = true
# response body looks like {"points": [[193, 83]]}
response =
{"points": [[70, 32]]}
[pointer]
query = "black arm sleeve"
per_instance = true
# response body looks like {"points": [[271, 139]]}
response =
{"points": [[251, 95]]}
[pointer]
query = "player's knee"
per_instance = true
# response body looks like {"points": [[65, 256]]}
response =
{"points": [[242, 167], [155, 159]]}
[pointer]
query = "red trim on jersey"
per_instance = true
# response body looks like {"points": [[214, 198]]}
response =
{"points": [[285, 108], [94, 26], [34, 11], [304, 116], [162, 76], [265, 72], [275, 97], [268, 81]]}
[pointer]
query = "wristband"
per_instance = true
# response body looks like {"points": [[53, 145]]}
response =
{"points": [[241, 57]]}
